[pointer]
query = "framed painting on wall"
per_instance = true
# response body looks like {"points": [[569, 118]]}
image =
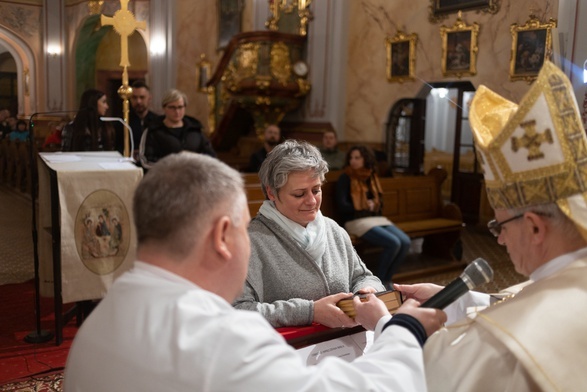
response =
{"points": [[440, 9], [531, 45], [459, 49], [401, 57]]}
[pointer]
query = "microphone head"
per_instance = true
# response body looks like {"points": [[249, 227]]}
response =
{"points": [[477, 273]]}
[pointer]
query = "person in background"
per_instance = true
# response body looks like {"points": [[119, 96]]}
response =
{"points": [[140, 117], [173, 307], [272, 137], [330, 151], [530, 341], [360, 205], [21, 133], [5, 128], [87, 132], [53, 140], [173, 132], [302, 263]]}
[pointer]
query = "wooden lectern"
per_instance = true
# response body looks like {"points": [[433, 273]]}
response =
{"points": [[86, 232]]}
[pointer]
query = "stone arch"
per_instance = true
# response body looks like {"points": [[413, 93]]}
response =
{"points": [[26, 69]]}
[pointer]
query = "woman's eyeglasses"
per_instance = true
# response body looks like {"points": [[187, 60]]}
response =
{"points": [[175, 107]]}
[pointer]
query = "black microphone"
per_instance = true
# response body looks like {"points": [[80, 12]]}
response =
{"points": [[476, 273]]}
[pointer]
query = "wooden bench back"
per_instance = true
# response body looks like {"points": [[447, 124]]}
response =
{"points": [[411, 198], [404, 198]]}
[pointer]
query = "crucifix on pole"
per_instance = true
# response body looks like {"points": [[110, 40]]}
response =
{"points": [[124, 24]]}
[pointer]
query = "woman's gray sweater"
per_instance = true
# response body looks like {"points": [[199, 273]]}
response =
{"points": [[283, 280]]}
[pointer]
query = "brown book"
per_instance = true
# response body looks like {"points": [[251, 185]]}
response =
{"points": [[391, 298]]}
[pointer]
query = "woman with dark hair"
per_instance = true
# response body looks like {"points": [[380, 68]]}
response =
{"points": [[87, 132], [359, 202]]}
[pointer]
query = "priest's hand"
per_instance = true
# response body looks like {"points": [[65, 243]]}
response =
{"points": [[327, 313], [421, 292], [369, 312], [431, 319]]}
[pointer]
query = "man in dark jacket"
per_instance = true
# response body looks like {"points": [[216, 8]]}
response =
{"points": [[272, 137], [140, 117]]}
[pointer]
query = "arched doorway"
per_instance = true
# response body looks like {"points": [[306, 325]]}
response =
{"points": [[25, 68], [8, 81]]}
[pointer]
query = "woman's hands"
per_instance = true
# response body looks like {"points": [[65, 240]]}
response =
{"points": [[367, 290], [327, 313]]}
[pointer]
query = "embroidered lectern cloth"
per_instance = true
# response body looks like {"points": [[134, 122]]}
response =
{"points": [[98, 240]]}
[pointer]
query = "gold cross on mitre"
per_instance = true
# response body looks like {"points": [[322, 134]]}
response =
{"points": [[532, 140], [124, 24]]}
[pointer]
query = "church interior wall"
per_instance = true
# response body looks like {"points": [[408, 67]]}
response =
{"points": [[369, 95], [196, 34]]}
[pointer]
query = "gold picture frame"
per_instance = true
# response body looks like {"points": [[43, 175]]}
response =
{"points": [[441, 9], [401, 57], [531, 46], [459, 48]]}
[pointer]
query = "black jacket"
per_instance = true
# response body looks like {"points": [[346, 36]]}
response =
{"points": [[161, 141]]}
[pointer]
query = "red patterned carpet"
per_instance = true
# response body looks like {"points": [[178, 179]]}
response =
{"points": [[18, 359]]}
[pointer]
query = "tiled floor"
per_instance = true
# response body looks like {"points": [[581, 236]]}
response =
{"points": [[16, 243]]}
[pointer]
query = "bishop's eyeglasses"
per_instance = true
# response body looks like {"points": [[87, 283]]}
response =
{"points": [[495, 227]]}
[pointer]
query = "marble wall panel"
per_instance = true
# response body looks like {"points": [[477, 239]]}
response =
{"points": [[370, 96]]}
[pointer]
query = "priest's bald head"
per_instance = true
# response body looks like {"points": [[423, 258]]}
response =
{"points": [[191, 217]]}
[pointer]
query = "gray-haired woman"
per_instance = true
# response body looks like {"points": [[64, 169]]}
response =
{"points": [[302, 263]]}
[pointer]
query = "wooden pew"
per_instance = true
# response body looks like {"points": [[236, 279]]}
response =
{"points": [[413, 203], [3, 160]]}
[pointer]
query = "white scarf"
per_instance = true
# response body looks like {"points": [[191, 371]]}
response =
{"points": [[311, 238]]}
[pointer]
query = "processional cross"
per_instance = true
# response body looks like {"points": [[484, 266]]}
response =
{"points": [[124, 24]]}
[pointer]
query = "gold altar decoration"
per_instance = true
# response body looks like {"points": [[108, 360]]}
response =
{"points": [[280, 63], [531, 46], [289, 16], [401, 57], [124, 23], [256, 76], [95, 7], [203, 68], [459, 48]]}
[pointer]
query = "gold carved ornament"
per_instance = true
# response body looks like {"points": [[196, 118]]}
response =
{"points": [[280, 63], [278, 7]]}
